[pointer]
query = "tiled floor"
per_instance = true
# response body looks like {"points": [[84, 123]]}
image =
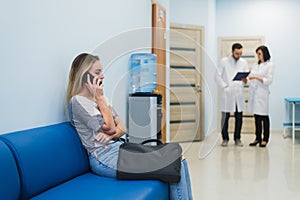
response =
{"points": [[244, 173]]}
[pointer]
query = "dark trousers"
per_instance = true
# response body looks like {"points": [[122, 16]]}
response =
{"points": [[262, 121], [238, 125]]}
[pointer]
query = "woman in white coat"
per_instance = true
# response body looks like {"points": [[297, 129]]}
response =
{"points": [[261, 77]]}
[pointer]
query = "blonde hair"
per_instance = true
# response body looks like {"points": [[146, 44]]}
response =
{"points": [[81, 64]]}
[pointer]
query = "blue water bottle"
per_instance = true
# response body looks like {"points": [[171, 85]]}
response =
{"points": [[142, 73]]}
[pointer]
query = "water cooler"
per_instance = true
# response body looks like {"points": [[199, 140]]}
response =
{"points": [[144, 117], [144, 109]]}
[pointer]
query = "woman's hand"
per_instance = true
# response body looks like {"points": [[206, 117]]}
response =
{"points": [[257, 78], [102, 138], [251, 77], [96, 87]]}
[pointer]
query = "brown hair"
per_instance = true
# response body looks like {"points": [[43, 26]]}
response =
{"points": [[265, 51], [80, 65]]}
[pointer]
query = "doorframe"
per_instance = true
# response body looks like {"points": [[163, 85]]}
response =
{"points": [[159, 47], [238, 39]]}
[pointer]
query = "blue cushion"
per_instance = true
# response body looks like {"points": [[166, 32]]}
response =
{"points": [[47, 156], [290, 124], [90, 186], [9, 176]]}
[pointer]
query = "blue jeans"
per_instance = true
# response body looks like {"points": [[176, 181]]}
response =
{"points": [[104, 160], [104, 163], [182, 190]]}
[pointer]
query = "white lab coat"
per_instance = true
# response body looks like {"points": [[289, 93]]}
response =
{"points": [[258, 91], [232, 91]]}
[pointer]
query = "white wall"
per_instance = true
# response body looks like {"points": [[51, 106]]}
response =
{"points": [[277, 21], [273, 19], [202, 13], [39, 40]]}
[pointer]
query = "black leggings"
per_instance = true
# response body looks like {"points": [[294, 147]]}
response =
{"points": [[262, 121]]}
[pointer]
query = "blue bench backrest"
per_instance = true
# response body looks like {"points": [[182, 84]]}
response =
{"points": [[47, 156], [9, 176]]}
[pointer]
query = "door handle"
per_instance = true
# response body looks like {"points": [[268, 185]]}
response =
{"points": [[198, 88]]}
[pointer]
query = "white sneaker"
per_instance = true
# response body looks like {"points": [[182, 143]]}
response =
{"points": [[224, 143], [238, 143]]}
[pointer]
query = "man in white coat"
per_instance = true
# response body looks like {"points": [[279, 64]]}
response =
{"points": [[232, 92]]}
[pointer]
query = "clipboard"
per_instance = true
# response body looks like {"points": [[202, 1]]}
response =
{"points": [[240, 75]]}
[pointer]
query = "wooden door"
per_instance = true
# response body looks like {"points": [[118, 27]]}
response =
{"points": [[249, 46], [186, 87], [159, 48]]}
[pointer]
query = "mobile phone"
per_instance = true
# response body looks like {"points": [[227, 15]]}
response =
{"points": [[85, 77]]}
